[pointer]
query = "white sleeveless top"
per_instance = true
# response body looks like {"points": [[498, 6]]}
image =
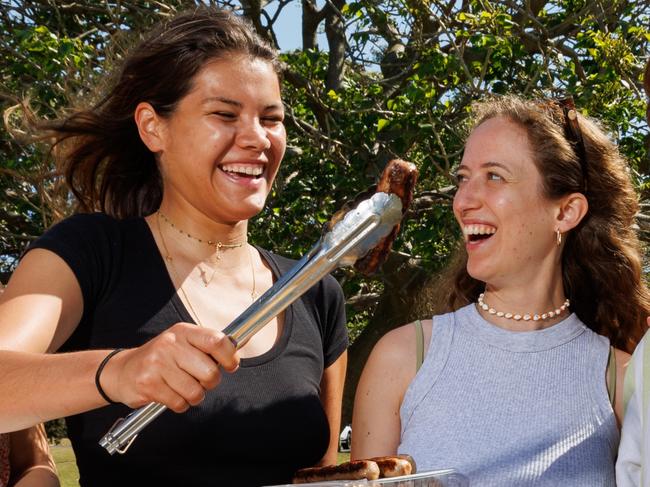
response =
{"points": [[512, 408]]}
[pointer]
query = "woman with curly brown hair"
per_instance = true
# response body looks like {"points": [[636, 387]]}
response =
{"points": [[518, 381]]}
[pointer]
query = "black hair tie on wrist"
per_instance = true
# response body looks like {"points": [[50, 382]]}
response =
{"points": [[99, 373]]}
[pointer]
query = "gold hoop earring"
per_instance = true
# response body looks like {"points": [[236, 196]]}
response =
{"points": [[558, 237]]}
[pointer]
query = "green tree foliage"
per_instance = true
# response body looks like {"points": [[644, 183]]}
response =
{"points": [[56, 430], [394, 78]]}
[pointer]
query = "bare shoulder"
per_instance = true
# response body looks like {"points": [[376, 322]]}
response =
{"points": [[399, 343], [397, 338], [396, 350], [44, 297], [39, 274]]}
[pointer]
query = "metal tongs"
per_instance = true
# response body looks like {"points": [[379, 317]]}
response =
{"points": [[351, 238]]}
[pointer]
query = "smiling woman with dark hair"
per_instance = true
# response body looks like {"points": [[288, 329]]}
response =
{"points": [[173, 161], [518, 381]]}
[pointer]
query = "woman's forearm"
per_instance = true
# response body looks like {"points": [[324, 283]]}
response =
{"points": [[41, 387]]}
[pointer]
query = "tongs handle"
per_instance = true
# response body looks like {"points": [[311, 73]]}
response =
{"points": [[125, 430]]}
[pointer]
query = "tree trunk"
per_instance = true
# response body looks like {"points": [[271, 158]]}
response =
{"points": [[335, 31], [311, 17]]}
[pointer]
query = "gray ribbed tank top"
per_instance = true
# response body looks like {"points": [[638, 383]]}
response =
{"points": [[512, 408]]}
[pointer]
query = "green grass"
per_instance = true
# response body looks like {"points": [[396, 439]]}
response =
{"points": [[343, 457], [69, 474], [66, 464]]}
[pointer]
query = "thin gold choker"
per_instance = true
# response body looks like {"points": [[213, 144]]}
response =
{"points": [[524, 317], [170, 261], [218, 245]]}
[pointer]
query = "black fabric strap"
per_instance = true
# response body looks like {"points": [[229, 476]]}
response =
{"points": [[99, 373]]}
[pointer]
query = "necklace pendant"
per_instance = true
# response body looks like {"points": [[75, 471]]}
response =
{"points": [[218, 246], [204, 276]]}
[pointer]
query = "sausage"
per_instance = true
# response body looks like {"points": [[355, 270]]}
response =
{"points": [[411, 460], [394, 466], [354, 470], [399, 177]]}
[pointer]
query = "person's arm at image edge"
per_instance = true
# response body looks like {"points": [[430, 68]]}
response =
{"points": [[629, 461], [622, 360], [30, 458]]}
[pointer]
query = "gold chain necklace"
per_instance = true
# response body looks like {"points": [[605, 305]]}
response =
{"points": [[214, 243], [172, 266]]}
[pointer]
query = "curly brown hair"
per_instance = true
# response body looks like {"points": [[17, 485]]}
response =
{"points": [[99, 151], [601, 260]]}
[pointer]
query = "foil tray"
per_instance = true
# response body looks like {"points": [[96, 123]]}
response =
{"points": [[433, 478]]}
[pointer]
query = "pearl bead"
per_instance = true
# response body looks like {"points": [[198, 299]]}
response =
{"points": [[536, 318], [517, 317], [492, 311], [500, 313], [526, 317]]}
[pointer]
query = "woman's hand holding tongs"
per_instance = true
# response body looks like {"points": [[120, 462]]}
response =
{"points": [[175, 368]]}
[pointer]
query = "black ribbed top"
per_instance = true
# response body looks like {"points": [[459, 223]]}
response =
{"points": [[261, 424]]}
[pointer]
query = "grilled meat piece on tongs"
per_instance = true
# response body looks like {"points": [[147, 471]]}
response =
{"points": [[362, 236], [398, 178]]}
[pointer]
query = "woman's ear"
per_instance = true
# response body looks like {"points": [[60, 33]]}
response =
{"points": [[572, 210], [150, 127]]}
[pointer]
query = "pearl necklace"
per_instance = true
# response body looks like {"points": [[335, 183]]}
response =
{"points": [[525, 317]]}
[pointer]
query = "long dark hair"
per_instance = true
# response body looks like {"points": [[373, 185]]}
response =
{"points": [[601, 260], [98, 150]]}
